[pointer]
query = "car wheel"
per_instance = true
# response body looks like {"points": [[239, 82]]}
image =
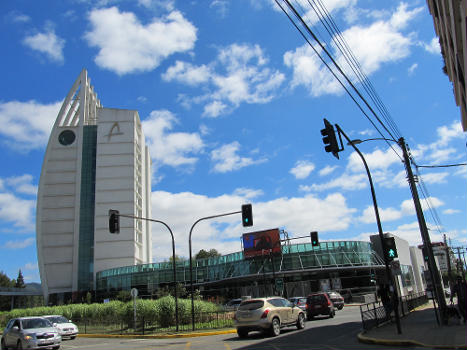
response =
{"points": [[242, 333], [341, 307], [19, 345], [275, 329], [56, 347], [73, 337], [331, 314], [4, 347], [301, 321]]}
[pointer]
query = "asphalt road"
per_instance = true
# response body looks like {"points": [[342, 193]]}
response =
{"points": [[337, 333]]}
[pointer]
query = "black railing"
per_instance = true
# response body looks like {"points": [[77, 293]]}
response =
{"points": [[376, 314], [117, 325]]}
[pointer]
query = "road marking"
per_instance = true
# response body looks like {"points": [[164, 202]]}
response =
{"points": [[227, 346], [188, 345]]}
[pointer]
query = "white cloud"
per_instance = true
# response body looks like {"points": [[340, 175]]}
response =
{"points": [[18, 211], [22, 184], [440, 151], [302, 169], [451, 211], [238, 75], [327, 170], [20, 244], [226, 158], [27, 125], [376, 160], [47, 43], [187, 73], [298, 215], [381, 42], [412, 68], [173, 149], [248, 193], [388, 214], [349, 182], [433, 46], [126, 46]]}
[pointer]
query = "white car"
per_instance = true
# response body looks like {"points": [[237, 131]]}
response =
{"points": [[65, 327]]}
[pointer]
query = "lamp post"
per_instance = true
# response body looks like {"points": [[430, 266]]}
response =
{"points": [[378, 222], [435, 276], [191, 262], [174, 268]]}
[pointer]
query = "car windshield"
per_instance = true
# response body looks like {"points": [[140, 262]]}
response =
{"points": [[57, 319], [251, 305], [35, 323]]}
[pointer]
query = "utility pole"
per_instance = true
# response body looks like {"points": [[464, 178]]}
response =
{"points": [[448, 257], [438, 288]]}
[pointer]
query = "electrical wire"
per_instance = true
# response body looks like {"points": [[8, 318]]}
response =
{"points": [[340, 71]]}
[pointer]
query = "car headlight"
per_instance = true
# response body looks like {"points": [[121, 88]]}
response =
{"points": [[29, 336]]}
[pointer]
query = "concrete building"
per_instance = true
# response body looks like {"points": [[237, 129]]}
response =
{"points": [[96, 160], [449, 19]]}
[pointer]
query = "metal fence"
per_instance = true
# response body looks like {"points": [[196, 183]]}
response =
{"points": [[116, 325], [375, 314]]}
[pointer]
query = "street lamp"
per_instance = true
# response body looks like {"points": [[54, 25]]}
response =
{"points": [[378, 221], [435, 277]]}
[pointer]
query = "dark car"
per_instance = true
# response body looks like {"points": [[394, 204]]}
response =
{"points": [[319, 304], [336, 299], [299, 301]]}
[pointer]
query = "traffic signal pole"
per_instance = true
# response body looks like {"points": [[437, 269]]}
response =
{"points": [[378, 222], [435, 277]]}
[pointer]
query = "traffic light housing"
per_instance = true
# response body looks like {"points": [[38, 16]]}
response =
{"points": [[425, 254], [247, 215], [329, 139], [314, 239], [114, 221], [391, 250]]}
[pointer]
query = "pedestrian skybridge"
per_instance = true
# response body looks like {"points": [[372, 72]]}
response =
{"points": [[295, 258]]}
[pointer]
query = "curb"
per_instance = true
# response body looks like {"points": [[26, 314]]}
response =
{"points": [[405, 342], [158, 336]]}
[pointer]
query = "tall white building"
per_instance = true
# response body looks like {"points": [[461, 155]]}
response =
{"points": [[96, 160]]}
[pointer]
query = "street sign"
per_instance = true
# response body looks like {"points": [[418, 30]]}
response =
{"points": [[279, 285], [134, 292]]}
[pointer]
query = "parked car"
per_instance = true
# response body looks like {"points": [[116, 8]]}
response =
{"points": [[299, 301], [267, 315], [65, 327], [319, 304], [336, 299], [30, 333], [232, 305]]}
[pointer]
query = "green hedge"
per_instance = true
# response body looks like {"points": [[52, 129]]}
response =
{"points": [[161, 311]]}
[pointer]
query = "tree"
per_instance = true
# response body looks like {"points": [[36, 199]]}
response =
{"points": [[5, 301], [202, 254], [20, 280]]}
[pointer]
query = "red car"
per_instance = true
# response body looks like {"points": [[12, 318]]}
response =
{"points": [[319, 304]]}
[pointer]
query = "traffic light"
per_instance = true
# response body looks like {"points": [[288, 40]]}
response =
{"points": [[329, 139], [425, 254], [314, 238], [247, 215], [114, 221], [391, 250]]}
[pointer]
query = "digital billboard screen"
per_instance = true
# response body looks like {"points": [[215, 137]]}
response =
{"points": [[261, 243]]}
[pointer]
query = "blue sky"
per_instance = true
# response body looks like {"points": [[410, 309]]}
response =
{"points": [[232, 101]]}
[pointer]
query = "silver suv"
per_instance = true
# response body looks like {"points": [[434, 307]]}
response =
{"points": [[267, 314], [30, 333]]}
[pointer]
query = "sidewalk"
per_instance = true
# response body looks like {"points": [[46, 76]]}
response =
{"points": [[419, 328]]}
